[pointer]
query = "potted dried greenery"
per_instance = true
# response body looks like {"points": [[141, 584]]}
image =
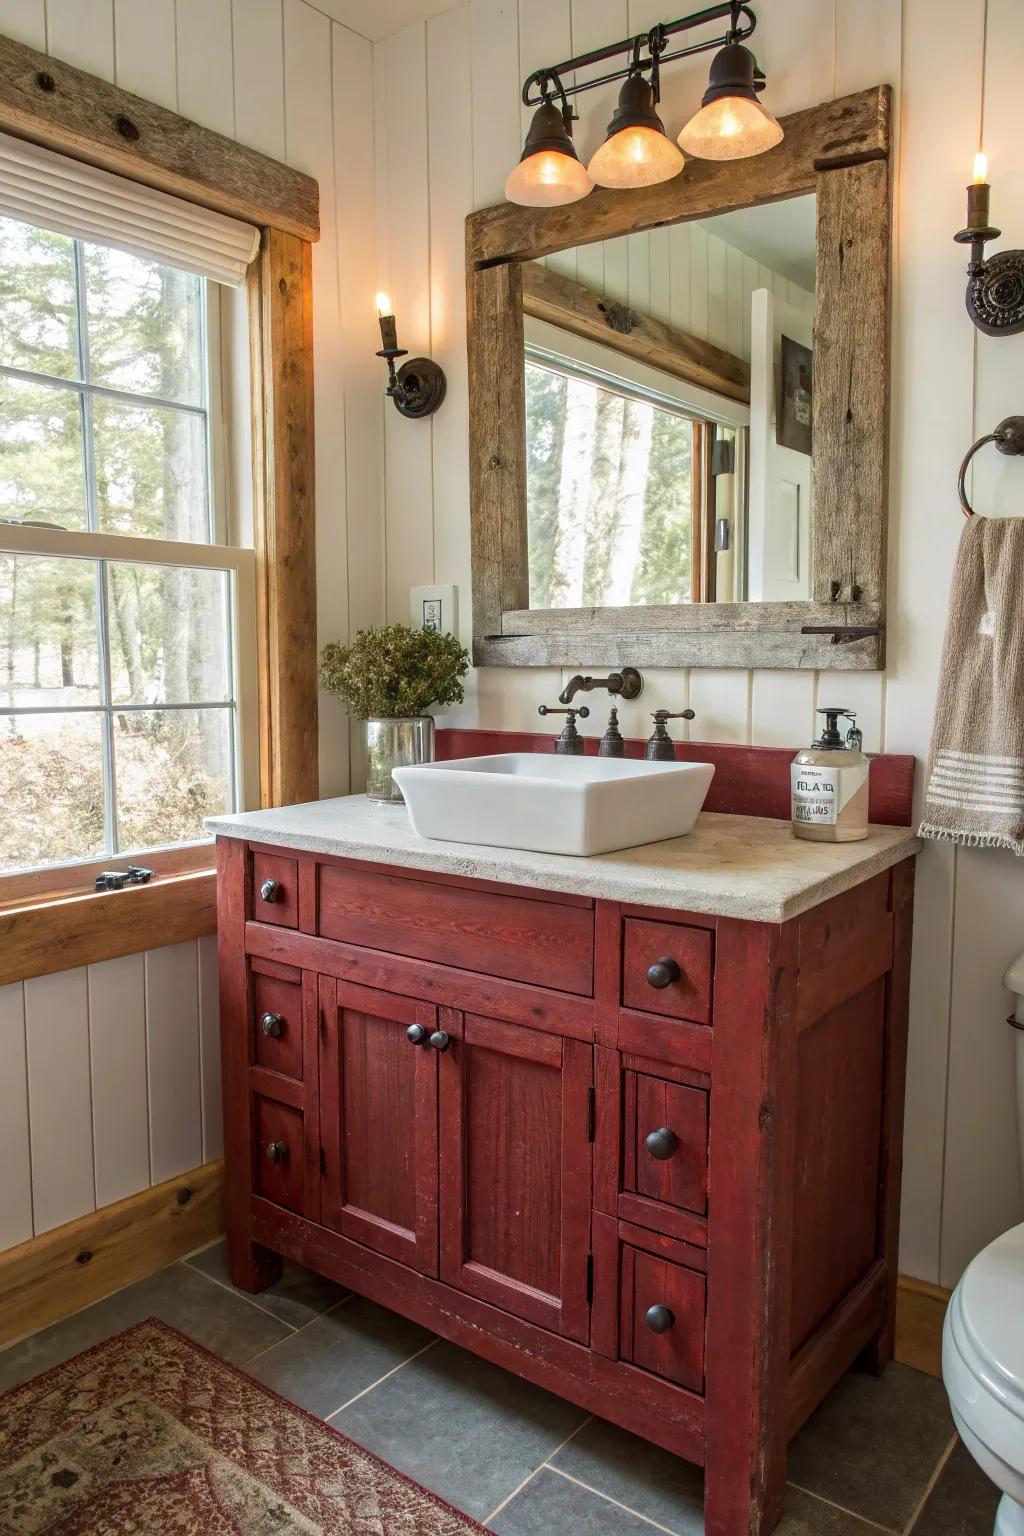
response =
{"points": [[389, 677]]}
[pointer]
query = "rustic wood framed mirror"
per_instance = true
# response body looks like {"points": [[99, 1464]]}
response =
{"points": [[703, 592]]}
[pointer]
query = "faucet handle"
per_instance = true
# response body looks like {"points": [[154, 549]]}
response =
{"points": [[661, 748], [570, 741], [661, 715]]}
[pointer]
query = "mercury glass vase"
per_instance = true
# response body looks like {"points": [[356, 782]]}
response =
{"points": [[395, 743]]}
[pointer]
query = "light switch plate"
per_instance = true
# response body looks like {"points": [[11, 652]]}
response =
{"points": [[434, 608]]}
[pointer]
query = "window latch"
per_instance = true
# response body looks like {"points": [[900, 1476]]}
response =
{"points": [[117, 879]]}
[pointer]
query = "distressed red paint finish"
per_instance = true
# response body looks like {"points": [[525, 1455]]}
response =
{"points": [[627, 1194]]}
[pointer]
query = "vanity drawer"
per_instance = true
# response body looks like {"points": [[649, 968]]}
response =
{"points": [[279, 1154], [547, 942], [650, 1301], [665, 1142], [667, 969], [277, 1018], [661, 1325], [275, 890]]}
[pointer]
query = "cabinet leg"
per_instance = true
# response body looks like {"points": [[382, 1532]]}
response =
{"points": [[879, 1351], [743, 1495], [251, 1266]]}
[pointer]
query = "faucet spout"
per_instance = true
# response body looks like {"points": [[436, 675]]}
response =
{"points": [[627, 684]]}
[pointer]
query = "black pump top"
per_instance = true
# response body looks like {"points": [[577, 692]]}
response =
{"points": [[830, 736]]}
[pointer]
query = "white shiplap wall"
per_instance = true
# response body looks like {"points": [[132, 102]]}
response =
{"points": [[458, 77], [111, 1077]]}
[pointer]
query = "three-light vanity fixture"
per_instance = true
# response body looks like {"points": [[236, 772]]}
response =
{"points": [[731, 124]]}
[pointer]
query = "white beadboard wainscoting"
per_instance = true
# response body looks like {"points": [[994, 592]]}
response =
{"points": [[111, 1083], [393, 498]]}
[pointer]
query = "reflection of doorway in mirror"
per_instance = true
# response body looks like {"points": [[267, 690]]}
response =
{"points": [[781, 477]]}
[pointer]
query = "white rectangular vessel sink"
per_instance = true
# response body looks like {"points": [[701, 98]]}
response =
{"points": [[552, 804]]}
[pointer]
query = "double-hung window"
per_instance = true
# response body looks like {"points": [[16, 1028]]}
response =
{"points": [[126, 616]]}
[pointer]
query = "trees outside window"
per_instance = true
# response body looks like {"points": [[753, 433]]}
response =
{"points": [[609, 486], [118, 607]]}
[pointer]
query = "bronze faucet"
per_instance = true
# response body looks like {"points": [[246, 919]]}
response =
{"points": [[627, 684]]}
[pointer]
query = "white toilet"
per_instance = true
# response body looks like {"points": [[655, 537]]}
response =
{"points": [[983, 1341]]}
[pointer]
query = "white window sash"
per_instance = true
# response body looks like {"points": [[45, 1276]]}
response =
{"points": [[239, 564]]}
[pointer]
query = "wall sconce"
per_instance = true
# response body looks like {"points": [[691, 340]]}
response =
{"points": [[731, 123], [419, 386], [995, 285]]}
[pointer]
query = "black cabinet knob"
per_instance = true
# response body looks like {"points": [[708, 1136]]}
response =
{"points": [[272, 1025], [659, 1319], [270, 890], [663, 972], [440, 1040], [417, 1033], [277, 1151], [661, 1143]]}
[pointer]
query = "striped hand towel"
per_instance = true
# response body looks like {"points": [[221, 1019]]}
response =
{"points": [[975, 793]]}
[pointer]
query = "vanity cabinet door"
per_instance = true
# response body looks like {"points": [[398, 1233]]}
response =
{"points": [[515, 1159], [378, 1098]]}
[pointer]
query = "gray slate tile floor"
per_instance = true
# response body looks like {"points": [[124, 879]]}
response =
{"points": [[878, 1456]]}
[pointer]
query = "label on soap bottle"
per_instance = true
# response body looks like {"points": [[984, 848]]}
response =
{"points": [[828, 797]]}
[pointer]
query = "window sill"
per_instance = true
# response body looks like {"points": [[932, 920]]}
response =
{"points": [[58, 933]]}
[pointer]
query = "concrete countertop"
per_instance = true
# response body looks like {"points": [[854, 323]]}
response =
{"points": [[730, 866]]}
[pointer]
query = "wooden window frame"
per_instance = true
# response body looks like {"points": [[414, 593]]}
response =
{"points": [[43, 928], [839, 150]]}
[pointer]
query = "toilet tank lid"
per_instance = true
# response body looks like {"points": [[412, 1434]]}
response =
{"points": [[992, 1308]]}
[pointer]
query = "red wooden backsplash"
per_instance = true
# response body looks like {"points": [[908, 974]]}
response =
{"points": [[748, 781]]}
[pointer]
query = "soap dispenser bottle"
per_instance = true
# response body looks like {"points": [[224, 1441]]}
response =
{"points": [[830, 784]]}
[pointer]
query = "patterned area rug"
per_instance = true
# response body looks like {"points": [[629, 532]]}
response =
{"points": [[150, 1433]]}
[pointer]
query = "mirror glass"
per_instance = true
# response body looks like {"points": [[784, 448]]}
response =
{"points": [[668, 414]]}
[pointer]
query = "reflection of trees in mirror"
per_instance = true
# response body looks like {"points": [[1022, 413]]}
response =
{"points": [[609, 495], [132, 460]]}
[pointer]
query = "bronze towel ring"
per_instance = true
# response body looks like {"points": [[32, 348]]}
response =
{"points": [[1008, 438]]}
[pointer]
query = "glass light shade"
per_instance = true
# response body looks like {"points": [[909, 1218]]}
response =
{"points": [[547, 180], [731, 128], [635, 157]]}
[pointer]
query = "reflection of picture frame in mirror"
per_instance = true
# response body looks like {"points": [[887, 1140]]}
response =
{"points": [[795, 406]]}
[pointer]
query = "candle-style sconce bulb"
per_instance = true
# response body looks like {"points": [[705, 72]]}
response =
{"points": [[419, 386], [995, 284]]}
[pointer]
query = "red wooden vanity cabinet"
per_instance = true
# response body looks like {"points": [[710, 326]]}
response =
{"points": [[646, 1159]]}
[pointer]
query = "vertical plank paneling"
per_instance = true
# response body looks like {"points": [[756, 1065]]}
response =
{"points": [[16, 1185], [781, 708], [145, 50], [82, 33], [931, 430], [205, 63], [172, 1033], [363, 375], [59, 1102], [494, 46], [981, 1196], [405, 235], [721, 700], [451, 198], [117, 1052], [25, 21], [310, 135], [258, 53], [209, 1050]]}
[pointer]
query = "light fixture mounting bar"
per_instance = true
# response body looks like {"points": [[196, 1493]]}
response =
{"points": [[550, 81]]}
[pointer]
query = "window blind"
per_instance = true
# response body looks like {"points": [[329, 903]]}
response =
{"points": [[52, 192]]}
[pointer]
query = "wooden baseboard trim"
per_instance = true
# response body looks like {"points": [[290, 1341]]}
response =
{"points": [[920, 1314], [60, 1272]]}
